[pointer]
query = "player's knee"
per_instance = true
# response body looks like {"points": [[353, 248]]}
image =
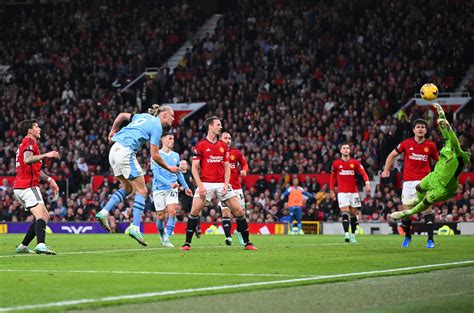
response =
{"points": [[160, 215]]}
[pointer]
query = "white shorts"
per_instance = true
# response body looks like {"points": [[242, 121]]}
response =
{"points": [[124, 162], [351, 199], [409, 192], [162, 198], [240, 195], [29, 197], [215, 188]]}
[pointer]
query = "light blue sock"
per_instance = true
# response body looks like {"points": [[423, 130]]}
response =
{"points": [[170, 226], [160, 224], [138, 208], [116, 198]]}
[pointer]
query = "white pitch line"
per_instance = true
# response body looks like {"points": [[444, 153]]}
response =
{"points": [[154, 249], [146, 273], [223, 287]]}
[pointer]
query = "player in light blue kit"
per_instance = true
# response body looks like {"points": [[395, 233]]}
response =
{"points": [[143, 128], [165, 189]]}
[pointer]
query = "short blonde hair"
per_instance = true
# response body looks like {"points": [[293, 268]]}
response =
{"points": [[156, 109]]}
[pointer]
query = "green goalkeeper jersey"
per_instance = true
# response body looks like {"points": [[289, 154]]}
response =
{"points": [[452, 159]]}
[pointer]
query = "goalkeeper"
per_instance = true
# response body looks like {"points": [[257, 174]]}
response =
{"points": [[442, 183]]}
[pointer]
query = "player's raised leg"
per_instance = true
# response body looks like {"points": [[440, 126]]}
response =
{"points": [[118, 197]]}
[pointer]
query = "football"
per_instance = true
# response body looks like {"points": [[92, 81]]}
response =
{"points": [[429, 92]]}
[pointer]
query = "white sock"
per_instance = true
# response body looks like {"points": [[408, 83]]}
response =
{"points": [[136, 228], [104, 212], [21, 246]]}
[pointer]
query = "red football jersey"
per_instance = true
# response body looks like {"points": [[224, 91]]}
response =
{"points": [[235, 156], [417, 158], [27, 175], [212, 157], [345, 172]]}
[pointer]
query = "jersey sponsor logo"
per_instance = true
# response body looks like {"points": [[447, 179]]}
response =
{"points": [[347, 172], [418, 157], [215, 159], [232, 165]]}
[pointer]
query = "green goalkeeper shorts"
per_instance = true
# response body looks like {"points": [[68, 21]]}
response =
{"points": [[435, 192]]}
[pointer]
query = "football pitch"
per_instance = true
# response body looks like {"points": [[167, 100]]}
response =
{"points": [[107, 273]]}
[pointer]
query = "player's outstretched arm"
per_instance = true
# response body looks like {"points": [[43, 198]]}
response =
{"points": [[119, 120], [29, 158], [449, 135], [440, 110], [155, 155]]}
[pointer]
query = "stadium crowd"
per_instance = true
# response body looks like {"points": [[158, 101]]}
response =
{"points": [[290, 86]]}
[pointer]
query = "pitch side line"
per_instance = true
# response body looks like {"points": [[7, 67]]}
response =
{"points": [[224, 287], [153, 249], [147, 273]]}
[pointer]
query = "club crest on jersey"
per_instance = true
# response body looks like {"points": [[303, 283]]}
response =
{"points": [[232, 157], [221, 150], [426, 149], [352, 165]]}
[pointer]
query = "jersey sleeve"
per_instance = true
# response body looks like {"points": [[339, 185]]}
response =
{"points": [[197, 153], [243, 162], [361, 170], [434, 152], [332, 181], [156, 132], [401, 147]]}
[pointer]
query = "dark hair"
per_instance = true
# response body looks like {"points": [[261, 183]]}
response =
{"points": [[167, 134], [26, 125], [419, 121], [209, 121], [344, 144]]}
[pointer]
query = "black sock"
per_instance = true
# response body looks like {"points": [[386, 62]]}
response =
{"points": [[227, 226], [406, 224], [198, 225], [30, 235], [353, 224], [243, 228], [190, 228], [40, 230], [345, 222], [429, 222]]}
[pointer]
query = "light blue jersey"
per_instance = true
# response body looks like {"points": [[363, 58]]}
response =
{"points": [[143, 128], [162, 178]]}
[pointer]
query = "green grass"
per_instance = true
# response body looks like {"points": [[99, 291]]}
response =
{"points": [[38, 279]]}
